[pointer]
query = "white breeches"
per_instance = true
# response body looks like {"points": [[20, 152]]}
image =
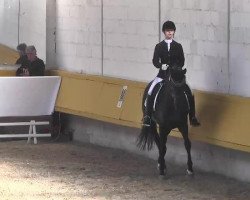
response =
{"points": [[155, 81]]}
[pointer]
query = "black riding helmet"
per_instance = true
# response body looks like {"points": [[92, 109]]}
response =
{"points": [[168, 25]]}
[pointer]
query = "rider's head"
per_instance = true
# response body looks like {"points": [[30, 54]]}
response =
{"points": [[168, 28]]}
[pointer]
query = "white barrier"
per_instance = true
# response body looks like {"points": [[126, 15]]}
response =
{"points": [[28, 96]]}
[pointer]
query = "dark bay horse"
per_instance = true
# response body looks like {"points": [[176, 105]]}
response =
{"points": [[170, 111]]}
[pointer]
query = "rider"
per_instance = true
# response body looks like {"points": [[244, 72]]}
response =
{"points": [[166, 54]]}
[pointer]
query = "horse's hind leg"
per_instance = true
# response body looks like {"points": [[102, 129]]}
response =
{"points": [[156, 135], [162, 149], [187, 143]]}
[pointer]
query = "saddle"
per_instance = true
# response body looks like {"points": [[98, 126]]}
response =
{"points": [[157, 90]]}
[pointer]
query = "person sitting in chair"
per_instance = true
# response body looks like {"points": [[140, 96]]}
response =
{"points": [[168, 53], [21, 48], [22, 60], [35, 66]]}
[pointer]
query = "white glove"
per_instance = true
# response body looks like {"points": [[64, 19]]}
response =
{"points": [[164, 67]]}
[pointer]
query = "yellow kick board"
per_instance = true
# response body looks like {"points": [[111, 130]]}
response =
{"points": [[225, 118], [132, 105], [107, 101], [79, 95], [8, 55], [7, 73]]}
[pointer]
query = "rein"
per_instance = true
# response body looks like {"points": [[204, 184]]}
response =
{"points": [[177, 84]]}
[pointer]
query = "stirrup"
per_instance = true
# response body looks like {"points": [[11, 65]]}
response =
{"points": [[146, 121]]}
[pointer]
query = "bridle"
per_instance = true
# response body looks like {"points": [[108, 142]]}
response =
{"points": [[175, 83]]}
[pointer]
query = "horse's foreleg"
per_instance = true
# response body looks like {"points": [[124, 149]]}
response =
{"points": [[162, 149], [187, 143]]}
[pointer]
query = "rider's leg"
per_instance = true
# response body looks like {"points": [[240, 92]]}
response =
{"points": [[149, 102], [192, 118]]}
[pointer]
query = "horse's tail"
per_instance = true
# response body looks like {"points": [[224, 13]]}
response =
{"points": [[147, 137]]}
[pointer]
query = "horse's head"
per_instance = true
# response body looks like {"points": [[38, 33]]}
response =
{"points": [[177, 75]]}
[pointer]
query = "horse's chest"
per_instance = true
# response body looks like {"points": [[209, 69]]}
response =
{"points": [[180, 101], [171, 106], [174, 104]]}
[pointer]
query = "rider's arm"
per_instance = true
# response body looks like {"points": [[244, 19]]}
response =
{"points": [[156, 58], [181, 58]]}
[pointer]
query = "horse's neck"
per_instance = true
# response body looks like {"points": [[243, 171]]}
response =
{"points": [[166, 92], [169, 93], [171, 103]]}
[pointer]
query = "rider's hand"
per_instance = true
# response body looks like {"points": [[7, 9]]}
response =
{"points": [[26, 72], [164, 67]]}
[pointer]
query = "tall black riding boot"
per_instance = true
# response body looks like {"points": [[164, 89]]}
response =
{"points": [[148, 111], [192, 118]]}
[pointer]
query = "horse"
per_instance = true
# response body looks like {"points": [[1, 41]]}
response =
{"points": [[171, 109]]}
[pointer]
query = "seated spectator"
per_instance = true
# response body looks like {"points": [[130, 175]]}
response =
{"points": [[35, 66], [22, 60], [21, 48]]}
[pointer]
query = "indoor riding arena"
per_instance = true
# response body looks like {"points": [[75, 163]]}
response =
{"points": [[77, 123]]}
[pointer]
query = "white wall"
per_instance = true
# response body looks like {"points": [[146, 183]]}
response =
{"points": [[78, 36], [31, 28], [214, 35], [131, 30], [240, 47], [33, 25], [202, 29], [9, 22], [120, 41], [50, 33]]}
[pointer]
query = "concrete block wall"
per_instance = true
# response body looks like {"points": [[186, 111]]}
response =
{"points": [[117, 38], [205, 157], [32, 28], [107, 37], [240, 47], [202, 29], [78, 36], [131, 31], [24, 22], [9, 23], [50, 33], [120, 40]]}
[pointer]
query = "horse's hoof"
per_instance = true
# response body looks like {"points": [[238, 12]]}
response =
{"points": [[162, 177], [158, 168], [162, 172], [190, 173]]}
